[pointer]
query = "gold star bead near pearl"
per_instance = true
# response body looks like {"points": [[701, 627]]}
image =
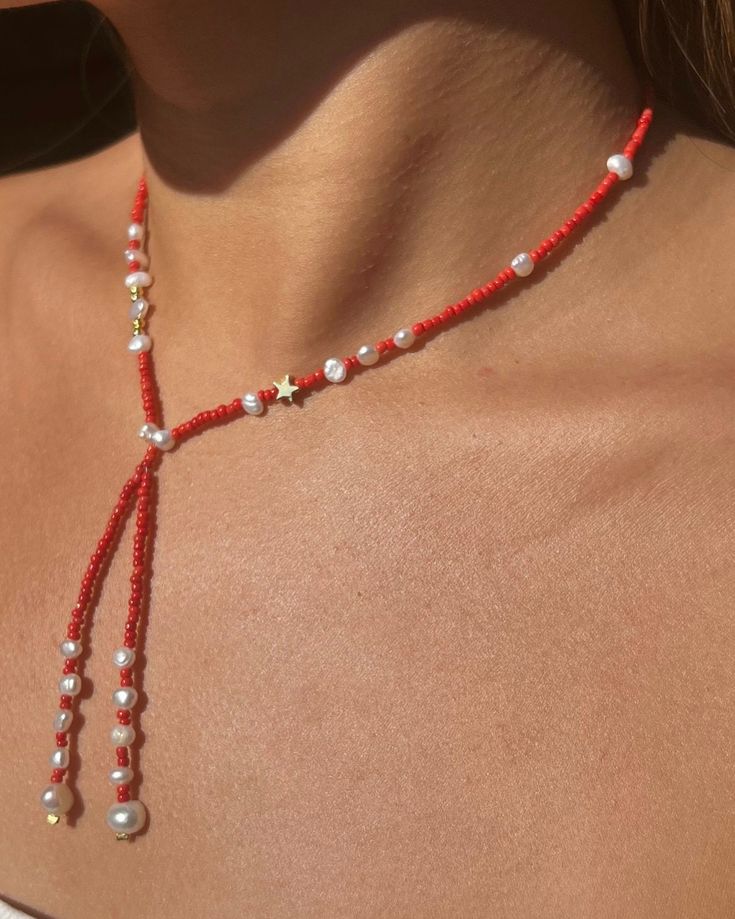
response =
{"points": [[285, 388]]}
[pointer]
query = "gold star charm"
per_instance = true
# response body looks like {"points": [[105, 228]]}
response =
{"points": [[285, 388]]}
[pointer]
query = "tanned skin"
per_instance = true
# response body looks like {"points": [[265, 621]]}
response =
{"points": [[454, 639]]}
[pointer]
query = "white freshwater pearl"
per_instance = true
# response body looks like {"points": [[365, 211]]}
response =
{"points": [[126, 818], [138, 308], [404, 338], [135, 231], [252, 404], [620, 165], [125, 697], [123, 657], [147, 430], [162, 439], [121, 775], [367, 355], [522, 264], [70, 685], [70, 648], [122, 735], [335, 370], [138, 343], [138, 279], [136, 255], [57, 798], [59, 759], [63, 719]]}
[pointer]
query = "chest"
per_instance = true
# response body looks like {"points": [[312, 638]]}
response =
{"points": [[428, 664]]}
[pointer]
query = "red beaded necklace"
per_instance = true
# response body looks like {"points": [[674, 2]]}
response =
{"points": [[128, 816]]}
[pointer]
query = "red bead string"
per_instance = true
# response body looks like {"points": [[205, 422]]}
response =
{"points": [[89, 581], [148, 387], [479, 296], [138, 587]]}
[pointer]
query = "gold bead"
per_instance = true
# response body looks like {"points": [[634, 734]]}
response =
{"points": [[53, 819], [120, 836], [138, 326], [285, 388], [134, 293]]}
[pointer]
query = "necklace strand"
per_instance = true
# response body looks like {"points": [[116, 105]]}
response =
{"points": [[128, 816]]}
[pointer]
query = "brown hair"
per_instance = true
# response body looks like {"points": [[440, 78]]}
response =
{"points": [[688, 49]]}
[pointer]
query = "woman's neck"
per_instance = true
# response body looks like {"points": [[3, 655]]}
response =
{"points": [[323, 173]]}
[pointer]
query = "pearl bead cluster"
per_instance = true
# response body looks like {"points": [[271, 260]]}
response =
{"points": [[141, 343], [58, 798], [128, 815], [137, 280]]}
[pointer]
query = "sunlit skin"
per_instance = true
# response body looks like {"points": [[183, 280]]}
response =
{"points": [[454, 638]]}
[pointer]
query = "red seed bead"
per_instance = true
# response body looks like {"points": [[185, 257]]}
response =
{"points": [[417, 328], [123, 796], [61, 739]]}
